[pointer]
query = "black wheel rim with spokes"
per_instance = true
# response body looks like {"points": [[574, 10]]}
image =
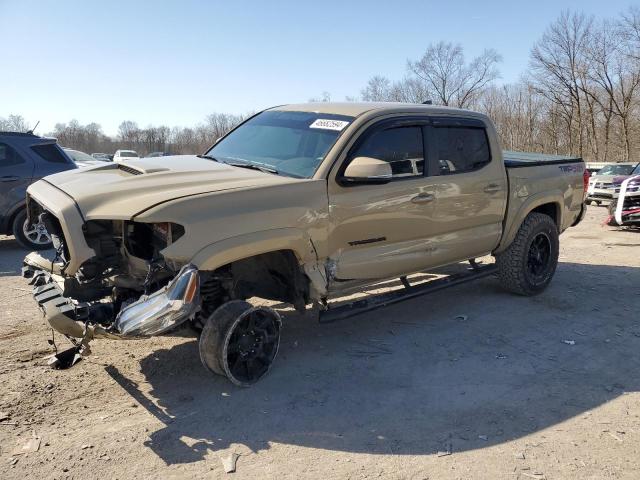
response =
{"points": [[252, 345], [539, 256]]}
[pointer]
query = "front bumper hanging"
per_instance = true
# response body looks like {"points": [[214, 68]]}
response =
{"points": [[150, 315]]}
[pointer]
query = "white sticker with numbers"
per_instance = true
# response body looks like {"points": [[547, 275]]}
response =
{"points": [[327, 124]]}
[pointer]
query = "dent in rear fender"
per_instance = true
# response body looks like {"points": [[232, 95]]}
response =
{"points": [[516, 214], [231, 249]]}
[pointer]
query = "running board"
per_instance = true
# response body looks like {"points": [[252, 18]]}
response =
{"points": [[384, 299]]}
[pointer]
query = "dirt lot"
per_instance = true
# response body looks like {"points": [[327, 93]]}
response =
{"points": [[407, 392]]}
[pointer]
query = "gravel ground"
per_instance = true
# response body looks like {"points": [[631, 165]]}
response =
{"points": [[406, 392]]}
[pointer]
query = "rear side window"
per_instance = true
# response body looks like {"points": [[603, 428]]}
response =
{"points": [[461, 149], [50, 153], [8, 156], [400, 146]]}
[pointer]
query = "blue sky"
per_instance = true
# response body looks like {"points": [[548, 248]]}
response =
{"points": [[174, 62]]}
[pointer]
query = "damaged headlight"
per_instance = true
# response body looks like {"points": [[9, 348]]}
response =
{"points": [[161, 311]]}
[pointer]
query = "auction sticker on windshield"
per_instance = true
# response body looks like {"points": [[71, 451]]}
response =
{"points": [[328, 124]]}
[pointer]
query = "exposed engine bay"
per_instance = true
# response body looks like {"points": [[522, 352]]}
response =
{"points": [[126, 290]]}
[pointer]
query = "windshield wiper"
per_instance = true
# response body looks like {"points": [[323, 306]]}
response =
{"points": [[209, 157], [254, 166]]}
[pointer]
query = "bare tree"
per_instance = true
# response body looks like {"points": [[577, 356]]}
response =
{"points": [[557, 61], [452, 81], [13, 123]]}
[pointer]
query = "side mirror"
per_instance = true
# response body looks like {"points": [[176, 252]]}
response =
{"points": [[367, 170]]}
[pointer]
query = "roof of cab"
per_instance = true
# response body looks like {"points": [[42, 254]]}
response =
{"points": [[355, 109]]}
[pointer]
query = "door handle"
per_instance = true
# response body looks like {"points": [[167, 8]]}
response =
{"points": [[492, 188], [423, 198], [8, 178]]}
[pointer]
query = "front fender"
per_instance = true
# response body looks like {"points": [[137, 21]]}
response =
{"points": [[223, 252]]}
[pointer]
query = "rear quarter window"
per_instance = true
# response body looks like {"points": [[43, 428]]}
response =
{"points": [[50, 152], [461, 149]]}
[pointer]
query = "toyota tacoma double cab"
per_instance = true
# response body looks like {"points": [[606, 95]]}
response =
{"points": [[300, 204]]}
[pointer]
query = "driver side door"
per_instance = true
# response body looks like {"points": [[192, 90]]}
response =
{"points": [[381, 230]]}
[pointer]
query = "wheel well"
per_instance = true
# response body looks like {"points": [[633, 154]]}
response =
{"points": [[8, 227], [549, 209], [274, 275]]}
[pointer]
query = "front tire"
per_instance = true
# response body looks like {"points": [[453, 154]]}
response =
{"points": [[527, 266], [240, 341], [30, 236]]}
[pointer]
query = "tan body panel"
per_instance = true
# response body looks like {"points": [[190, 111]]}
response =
{"points": [[63, 207], [463, 221], [531, 187], [230, 213]]}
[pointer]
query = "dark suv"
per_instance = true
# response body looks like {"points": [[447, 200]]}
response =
{"points": [[25, 158]]}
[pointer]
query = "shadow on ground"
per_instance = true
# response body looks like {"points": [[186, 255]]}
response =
{"points": [[411, 378]]}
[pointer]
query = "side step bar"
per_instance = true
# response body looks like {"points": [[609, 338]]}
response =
{"points": [[384, 299]]}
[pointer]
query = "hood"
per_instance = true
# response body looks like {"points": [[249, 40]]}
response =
{"points": [[602, 178], [617, 181], [119, 191]]}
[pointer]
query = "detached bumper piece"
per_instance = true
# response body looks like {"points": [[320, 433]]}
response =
{"points": [[150, 315]]}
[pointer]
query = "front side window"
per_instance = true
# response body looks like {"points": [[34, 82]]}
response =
{"points": [[8, 156], [400, 146], [288, 143], [461, 149]]}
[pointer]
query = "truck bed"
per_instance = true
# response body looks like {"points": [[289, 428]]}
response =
{"points": [[525, 159]]}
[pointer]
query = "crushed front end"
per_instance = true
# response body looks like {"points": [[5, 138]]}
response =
{"points": [[122, 288]]}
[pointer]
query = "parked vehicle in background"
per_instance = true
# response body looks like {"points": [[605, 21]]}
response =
{"points": [[624, 209], [122, 155], [601, 183], [299, 204], [158, 154], [102, 156], [24, 159], [83, 159]]}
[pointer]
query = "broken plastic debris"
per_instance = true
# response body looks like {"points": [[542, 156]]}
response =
{"points": [[66, 359], [229, 463], [569, 342], [31, 445], [461, 317]]}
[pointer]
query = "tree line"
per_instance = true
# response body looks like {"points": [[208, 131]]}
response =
{"points": [[580, 95]]}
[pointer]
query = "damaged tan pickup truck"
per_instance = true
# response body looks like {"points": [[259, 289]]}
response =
{"points": [[299, 204]]}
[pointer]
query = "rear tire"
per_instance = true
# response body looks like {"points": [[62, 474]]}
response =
{"points": [[31, 237], [527, 266], [240, 341]]}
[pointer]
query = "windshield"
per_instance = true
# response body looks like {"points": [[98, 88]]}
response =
{"points": [[616, 170], [77, 156], [292, 143], [128, 153]]}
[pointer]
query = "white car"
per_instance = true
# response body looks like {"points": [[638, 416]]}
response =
{"points": [[122, 155], [82, 159]]}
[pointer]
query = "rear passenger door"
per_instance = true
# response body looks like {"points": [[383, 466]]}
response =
{"points": [[471, 195], [16, 172]]}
